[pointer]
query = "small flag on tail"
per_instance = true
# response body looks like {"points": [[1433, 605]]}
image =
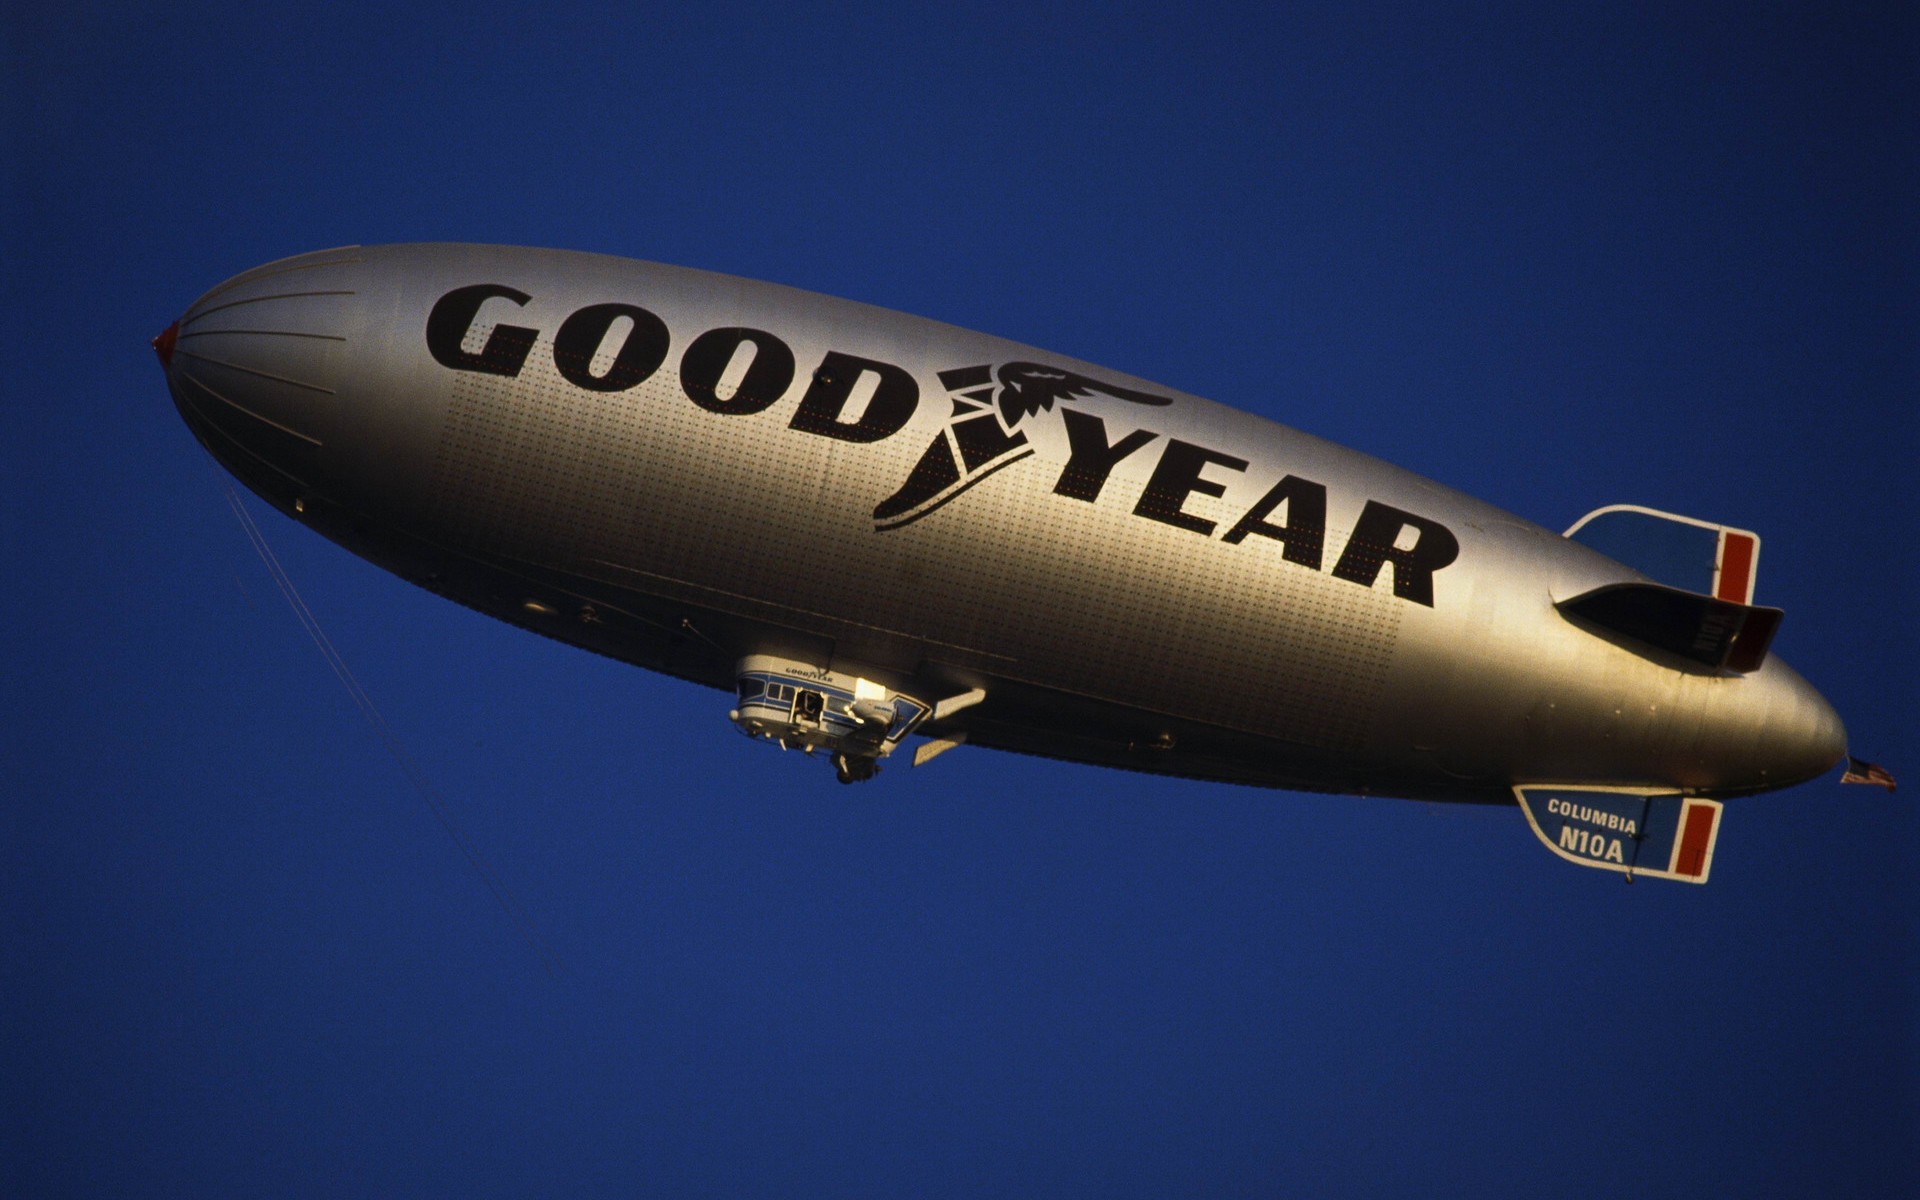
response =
{"points": [[1861, 771]]}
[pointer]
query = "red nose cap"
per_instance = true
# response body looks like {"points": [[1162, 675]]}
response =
{"points": [[163, 345]]}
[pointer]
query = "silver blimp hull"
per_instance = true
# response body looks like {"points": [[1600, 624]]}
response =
{"points": [[683, 470]]}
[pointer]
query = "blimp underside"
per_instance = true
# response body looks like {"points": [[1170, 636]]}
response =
{"points": [[907, 528]]}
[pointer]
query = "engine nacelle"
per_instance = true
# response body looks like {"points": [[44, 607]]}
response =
{"points": [[802, 707]]}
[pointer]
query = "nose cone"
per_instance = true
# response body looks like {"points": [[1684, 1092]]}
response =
{"points": [[254, 367]]}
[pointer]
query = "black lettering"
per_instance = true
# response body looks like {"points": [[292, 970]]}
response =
{"points": [[1372, 544], [767, 379], [580, 337], [507, 346], [1177, 476], [894, 399], [981, 440], [1091, 459], [1304, 536]]}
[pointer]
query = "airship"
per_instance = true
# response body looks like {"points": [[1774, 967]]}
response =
{"points": [[883, 535]]}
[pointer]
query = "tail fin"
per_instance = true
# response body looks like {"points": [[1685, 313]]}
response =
{"points": [[1632, 831], [1681, 552], [1701, 607]]}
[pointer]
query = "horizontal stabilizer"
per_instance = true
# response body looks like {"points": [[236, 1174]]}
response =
{"points": [[933, 748], [1633, 831], [1714, 633], [1681, 552]]}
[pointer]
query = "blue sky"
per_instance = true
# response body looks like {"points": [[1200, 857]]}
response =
{"points": [[1556, 256]]}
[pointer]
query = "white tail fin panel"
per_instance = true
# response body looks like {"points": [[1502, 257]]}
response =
{"points": [[1661, 835], [1682, 552]]}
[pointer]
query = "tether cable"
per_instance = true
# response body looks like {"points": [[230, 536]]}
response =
{"points": [[435, 802]]}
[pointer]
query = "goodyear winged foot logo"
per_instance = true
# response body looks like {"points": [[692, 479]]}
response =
{"points": [[984, 433]]}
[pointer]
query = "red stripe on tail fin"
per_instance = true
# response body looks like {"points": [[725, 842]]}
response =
{"points": [[1733, 574], [1696, 841]]}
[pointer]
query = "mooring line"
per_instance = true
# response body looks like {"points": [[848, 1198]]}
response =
{"points": [[428, 793]]}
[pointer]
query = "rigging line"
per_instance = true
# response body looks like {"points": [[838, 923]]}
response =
{"points": [[428, 793], [434, 801]]}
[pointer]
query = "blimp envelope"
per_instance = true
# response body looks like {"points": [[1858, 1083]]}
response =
{"points": [[1666, 836]]}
